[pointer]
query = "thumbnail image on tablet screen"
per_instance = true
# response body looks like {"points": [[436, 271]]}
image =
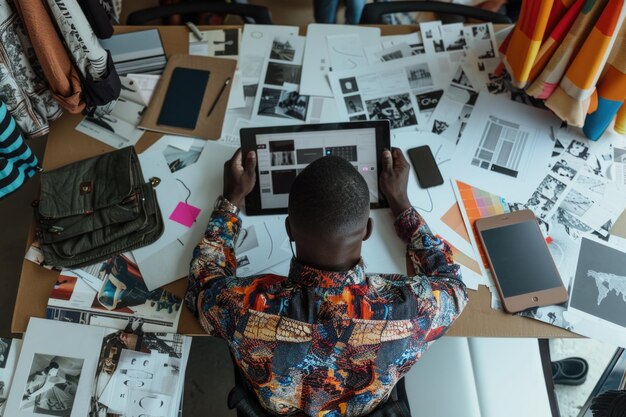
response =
{"points": [[284, 151]]}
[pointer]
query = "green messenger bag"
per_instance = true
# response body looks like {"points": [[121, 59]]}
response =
{"points": [[95, 208]]}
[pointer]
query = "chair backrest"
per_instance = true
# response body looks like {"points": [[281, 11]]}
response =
{"points": [[373, 12], [259, 14]]}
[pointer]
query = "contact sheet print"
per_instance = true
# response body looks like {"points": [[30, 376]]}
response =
{"points": [[278, 99], [389, 91]]}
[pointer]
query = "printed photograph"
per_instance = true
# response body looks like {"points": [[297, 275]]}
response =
{"points": [[576, 203], [419, 76], [600, 282], [438, 45], [578, 149], [540, 205], [348, 85], [282, 50], [549, 314], [440, 126], [428, 101], [480, 32], [63, 287], [279, 73], [397, 109], [563, 170], [551, 188], [269, 101], [178, 159], [358, 117], [596, 185], [455, 42], [5, 347], [460, 78], [462, 95], [52, 385], [558, 149], [292, 105], [573, 227], [353, 104], [247, 240], [282, 152], [391, 55]]}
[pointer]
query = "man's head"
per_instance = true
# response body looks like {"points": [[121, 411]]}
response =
{"points": [[329, 212]]}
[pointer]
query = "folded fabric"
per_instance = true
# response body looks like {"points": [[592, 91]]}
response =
{"points": [[98, 18], [55, 63], [100, 81], [22, 86], [551, 74], [571, 99], [611, 91], [522, 45], [17, 161]]}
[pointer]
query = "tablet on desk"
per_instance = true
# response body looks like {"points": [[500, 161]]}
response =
{"points": [[284, 151]]}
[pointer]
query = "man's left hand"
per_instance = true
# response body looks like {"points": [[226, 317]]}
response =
{"points": [[239, 177]]}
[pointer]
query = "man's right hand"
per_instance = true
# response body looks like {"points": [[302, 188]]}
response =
{"points": [[394, 180]]}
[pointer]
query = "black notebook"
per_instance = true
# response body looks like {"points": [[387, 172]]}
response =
{"points": [[183, 98]]}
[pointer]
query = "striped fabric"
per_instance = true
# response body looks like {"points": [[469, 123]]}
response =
{"points": [[17, 161], [572, 54]]}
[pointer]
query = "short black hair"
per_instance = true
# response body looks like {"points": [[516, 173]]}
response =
{"points": [[329, 197]]}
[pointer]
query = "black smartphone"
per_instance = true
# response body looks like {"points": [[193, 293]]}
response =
{"points": [[428, 174]]}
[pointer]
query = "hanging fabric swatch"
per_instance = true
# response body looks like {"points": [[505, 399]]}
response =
{"points": [[22, 85]]}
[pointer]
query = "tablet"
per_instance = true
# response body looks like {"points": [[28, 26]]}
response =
{"points": [[523, 268], [284, 151]]}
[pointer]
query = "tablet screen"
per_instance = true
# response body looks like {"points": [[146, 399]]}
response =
{"points": [[282, 153], [521, 259]]}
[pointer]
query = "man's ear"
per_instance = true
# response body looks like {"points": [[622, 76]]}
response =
{"points": [[369, 229], [288, 229]]}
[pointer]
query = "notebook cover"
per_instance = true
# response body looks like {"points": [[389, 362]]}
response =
{"points": [[183, 99], [206, 127]]}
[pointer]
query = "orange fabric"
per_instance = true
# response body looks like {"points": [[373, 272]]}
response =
{"points": [[620, 120], [593, 102], [57, 67], [584, 69]]}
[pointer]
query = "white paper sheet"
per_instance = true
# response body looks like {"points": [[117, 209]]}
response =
{"points": [[597, 305], [75, 348], [117, 128], [261, 245], [390, 91], [146, 83], [255, 40], [278, 101], [505, 147], [10, 352], [204, 179], [317, 57]]}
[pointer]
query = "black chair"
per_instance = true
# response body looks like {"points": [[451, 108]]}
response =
{"points": [[373, 12], [251, 13]]}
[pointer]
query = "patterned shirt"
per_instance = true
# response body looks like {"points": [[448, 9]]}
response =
{"points": [[322, 343]]}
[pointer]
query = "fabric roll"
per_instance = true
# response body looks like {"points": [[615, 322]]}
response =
{"points": [[22, 84], [571, 99], [620, 121], [56, 64], [17, 161], [553, 71], [79, 38], [611, 90]]}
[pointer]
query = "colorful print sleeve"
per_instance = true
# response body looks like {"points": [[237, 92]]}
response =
{"points": [[438, 287], [212, 264]]}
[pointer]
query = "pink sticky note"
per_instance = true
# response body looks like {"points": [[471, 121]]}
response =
{"points": [[185, 214]]}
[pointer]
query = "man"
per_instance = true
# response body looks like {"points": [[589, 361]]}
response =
{"points": [[328, 339]]}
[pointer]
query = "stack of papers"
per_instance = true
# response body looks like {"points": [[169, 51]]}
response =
{"points": [[72, 369], [136, 52]]}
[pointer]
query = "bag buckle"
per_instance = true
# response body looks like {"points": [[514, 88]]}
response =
{"points": [[154, 181], [85, 187], [55, 229]]}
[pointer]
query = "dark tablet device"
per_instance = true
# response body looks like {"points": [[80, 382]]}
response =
{"points": [[284, 151]]}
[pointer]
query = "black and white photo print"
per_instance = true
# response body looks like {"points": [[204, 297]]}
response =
{"points": [[52, 385], [600, 282]]}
